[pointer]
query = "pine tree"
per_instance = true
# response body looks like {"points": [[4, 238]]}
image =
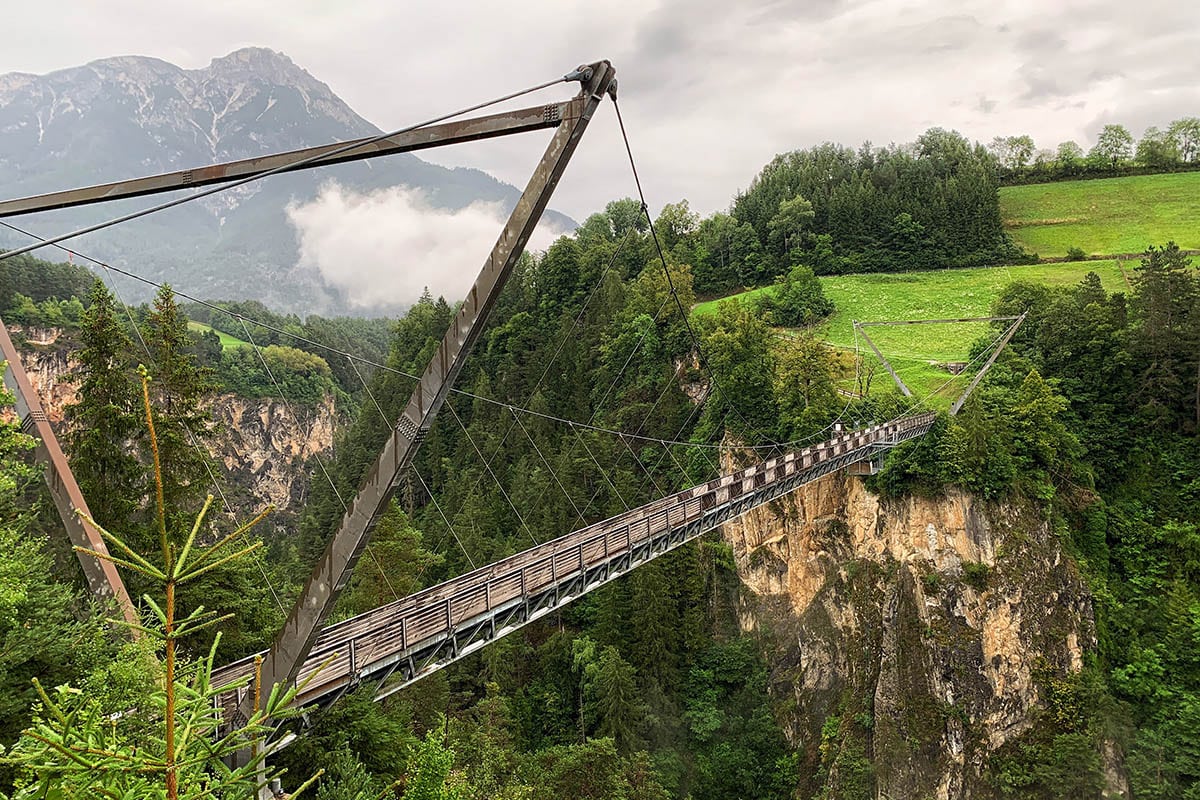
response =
{"points": [[1166, 334], [655, 623], [614, 686], [77, 748], [178, 388], [102, 424]]}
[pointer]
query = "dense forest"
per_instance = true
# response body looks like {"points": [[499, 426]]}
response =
{"points": [[585, 332], [928, 205], [591, 392]]}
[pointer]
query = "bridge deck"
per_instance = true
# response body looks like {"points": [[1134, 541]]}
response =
{"points": [[402, 641]]}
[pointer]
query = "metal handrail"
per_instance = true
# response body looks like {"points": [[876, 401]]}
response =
{"points": [[361, 645]]}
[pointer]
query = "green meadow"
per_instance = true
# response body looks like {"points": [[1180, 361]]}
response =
{"points": [[227, 341], [1104, 217], [916, 351]]}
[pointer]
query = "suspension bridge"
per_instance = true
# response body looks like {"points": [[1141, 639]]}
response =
{"points": [[402, 641]]}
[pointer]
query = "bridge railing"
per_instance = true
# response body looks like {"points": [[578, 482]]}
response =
{"points": [[434, 626]]}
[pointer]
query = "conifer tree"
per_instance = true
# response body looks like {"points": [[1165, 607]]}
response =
{"points": [[179, 386], [1166, 334], [76, 748], [655, 623], [102, 424], [617, 706]]}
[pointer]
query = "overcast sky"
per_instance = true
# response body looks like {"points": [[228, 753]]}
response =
{"points": [[710, 89]]}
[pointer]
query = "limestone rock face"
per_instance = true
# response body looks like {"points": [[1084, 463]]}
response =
{"points": [[46, 366], [264, 443], [906, 633]]}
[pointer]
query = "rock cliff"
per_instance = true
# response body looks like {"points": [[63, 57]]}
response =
{"points": [[910, 638], [263, 443]]}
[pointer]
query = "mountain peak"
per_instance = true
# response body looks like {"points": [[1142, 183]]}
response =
{"points": [[253, 54], [124, 116], [261, 62]]}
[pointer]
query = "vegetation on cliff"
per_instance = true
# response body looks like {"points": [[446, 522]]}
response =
{"points": [[1108, 438]]}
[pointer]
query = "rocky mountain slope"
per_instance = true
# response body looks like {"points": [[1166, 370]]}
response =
{"points": [[131, 115]]}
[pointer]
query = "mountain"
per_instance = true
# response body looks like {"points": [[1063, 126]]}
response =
{"points": [[131, 115]]}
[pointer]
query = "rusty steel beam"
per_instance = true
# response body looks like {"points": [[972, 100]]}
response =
{"points": [[468, 130], [886, 364], [102, 576], [283, 661]]}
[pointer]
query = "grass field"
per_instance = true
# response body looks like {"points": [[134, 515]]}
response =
{"points": [[927, 295], [1108, 216], [227, 341]]}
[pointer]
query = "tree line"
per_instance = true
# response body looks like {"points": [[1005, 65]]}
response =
{"points": [[1115, 154], [833, 209]]}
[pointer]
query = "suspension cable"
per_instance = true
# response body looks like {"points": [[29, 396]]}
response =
{"points": [[349, 356], [387, 423], [487, 465], [275, 171], [712, 375], [194, 442], [316, 456]]}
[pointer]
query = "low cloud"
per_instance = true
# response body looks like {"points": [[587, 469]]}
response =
{"points": [[383, 248]]}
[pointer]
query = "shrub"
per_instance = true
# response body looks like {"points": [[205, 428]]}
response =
{"points": [[975, 574]]}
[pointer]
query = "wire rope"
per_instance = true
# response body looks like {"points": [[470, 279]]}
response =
{"points": [[712, 375], [275, 171]]}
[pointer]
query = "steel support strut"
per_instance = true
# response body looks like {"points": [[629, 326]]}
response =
{"points": [[858, 326], [102, 576], [1008, 334], [286, 656], [467, 130]]}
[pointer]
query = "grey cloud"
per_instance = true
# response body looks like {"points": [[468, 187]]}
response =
{"points": [[383, 248], [1040, 43]]}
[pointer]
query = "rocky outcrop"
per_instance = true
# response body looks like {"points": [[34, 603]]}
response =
{"points": [[48, 363], [263, 443], [266, 443], [908, 637]]}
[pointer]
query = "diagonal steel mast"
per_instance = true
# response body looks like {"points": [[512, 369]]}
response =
{"points": [[102, 576], [283, 662], [570, 118]]}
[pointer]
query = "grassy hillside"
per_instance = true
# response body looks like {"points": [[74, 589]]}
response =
{"points": [[927, 295], [1113, 215], [227, 341]]}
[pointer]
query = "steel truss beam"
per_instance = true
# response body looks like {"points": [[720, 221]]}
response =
{"points": [[283, 662], [468, 130], [571, 116], [858, 326], [886, 364]]}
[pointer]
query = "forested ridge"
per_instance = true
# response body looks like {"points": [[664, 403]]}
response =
{"points": [[647, 688], [928, 205]]}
